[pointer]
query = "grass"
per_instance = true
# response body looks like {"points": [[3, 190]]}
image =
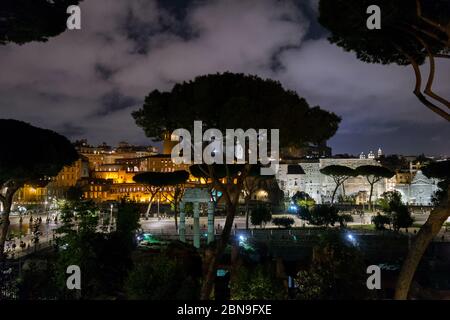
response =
{"points": [[370, 227]]}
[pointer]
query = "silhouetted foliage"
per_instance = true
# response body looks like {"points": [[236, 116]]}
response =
{"points": [[260, 215], [285, 222], [411, 32], [23, 21], [257, 283], [100, 256], [45, 154], [321, 215], [380, 221], [227, 100], [161, 278], [337, 272]]}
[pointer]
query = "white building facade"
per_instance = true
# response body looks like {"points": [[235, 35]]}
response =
{"points": [[420, 191], [320, 187]]}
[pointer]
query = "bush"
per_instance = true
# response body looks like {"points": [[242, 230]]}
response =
{"points": [[285, 222], [344, 219], [256, 284], [161, 278], [321, 215], [260, 215], [302, 199], [380, 221], [396, 212], [401, 218], [338, 271]]}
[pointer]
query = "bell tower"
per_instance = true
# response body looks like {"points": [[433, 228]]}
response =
{"points": [[168, 143]]}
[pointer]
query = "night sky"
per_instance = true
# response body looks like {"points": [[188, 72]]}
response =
{"points": [[85, 83]]}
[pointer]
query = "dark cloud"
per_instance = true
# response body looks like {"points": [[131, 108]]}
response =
{"points": [[103, 71], [114, 101], [86, 83], [71, 130]]}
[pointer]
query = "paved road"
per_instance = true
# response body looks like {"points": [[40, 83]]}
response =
{"points": [[23, 232], [164, 226], [167, 226]]}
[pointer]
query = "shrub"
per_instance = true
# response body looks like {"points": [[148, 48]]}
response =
{"points": [[285, 222]]}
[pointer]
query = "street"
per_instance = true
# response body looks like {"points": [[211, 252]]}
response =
{"points": [[159, 226]]}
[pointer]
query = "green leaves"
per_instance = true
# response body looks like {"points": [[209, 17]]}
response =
{"points": [[256, 284]]}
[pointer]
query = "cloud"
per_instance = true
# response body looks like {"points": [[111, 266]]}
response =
{"points": [[87, 82]]}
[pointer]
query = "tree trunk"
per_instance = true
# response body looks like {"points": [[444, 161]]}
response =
{"points": [[148, 209], [334, 193], [208, 283], [425, 235], [149, 206], [176, 217], [5, 224], [247, 213], [370, 196]]}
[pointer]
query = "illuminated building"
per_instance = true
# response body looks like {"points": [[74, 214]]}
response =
{"points": [[68, 177], [54, 187], [160, 163]]}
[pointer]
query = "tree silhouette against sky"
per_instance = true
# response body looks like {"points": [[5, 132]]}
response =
{"points": [[231, 101], [413, 32]]}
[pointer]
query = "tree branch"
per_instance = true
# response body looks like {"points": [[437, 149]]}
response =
{"points": [[429, 34], [428, 87], [428, 21], [417, 89]]}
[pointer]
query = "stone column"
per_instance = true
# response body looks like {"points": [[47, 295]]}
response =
{"points": [[196, 224], [182, 226], [210, 222]]}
